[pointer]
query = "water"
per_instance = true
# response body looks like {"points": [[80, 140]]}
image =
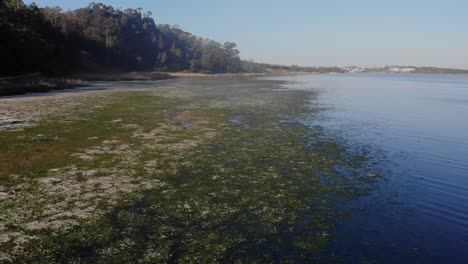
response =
{"points": [[418, 127]]}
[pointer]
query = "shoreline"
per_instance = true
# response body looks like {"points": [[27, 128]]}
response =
{"points": [[37, 83], [230, 75]]}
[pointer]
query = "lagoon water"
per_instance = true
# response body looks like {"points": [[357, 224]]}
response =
{"points": [[416, 126]]}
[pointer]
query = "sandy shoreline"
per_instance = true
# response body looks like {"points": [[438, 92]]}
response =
{"points": [[230, 75], [219, 75]]}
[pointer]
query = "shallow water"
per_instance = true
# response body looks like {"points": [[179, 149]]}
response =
{"points": [[252, 192], [417, 126], [412, 128]]}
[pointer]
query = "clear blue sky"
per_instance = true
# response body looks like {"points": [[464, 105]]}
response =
{"points": [[321, 32]]}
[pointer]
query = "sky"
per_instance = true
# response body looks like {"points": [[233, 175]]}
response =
{"points": [[320, 32]]}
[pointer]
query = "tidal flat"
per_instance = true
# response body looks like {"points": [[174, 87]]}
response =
{"points": [[177, 171]]}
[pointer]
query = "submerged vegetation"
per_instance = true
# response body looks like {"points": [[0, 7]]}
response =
{"points": [[194, 171]]}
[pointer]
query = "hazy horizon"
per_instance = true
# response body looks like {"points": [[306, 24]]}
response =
{"points": [[316, 33]]}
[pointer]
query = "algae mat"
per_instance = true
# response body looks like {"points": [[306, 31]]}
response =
{"points": [[178, 171]]}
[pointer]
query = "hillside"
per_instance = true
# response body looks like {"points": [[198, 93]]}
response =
{"points": [[102, 38]]}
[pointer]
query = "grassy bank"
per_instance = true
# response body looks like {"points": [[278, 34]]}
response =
{"points": [[126, 76], [36, 83]]}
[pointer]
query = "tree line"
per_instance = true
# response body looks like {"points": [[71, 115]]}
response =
{"points": [[100, 37], [251, 66]]}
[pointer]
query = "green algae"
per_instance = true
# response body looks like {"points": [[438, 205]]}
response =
{"points": [[259, 190]]}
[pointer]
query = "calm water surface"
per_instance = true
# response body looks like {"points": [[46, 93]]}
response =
{"points": [[417, 126]]}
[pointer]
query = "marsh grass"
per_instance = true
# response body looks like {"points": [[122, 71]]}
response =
{"points": [[125, 76], [39, 85]]}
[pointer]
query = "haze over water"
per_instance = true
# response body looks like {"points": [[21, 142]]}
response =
{"points": [[417, 127]]}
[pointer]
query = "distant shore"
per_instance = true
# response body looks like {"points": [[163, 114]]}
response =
{"points": [[37, 83], [204, 75], [245, 74]]}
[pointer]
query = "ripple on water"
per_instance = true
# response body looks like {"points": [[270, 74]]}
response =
{"points": [[419, 121]]}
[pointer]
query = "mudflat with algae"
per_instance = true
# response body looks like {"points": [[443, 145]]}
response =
{"points": [[179, 171]]}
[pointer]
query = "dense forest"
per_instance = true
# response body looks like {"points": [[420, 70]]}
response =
{"points": [[99, 37]]}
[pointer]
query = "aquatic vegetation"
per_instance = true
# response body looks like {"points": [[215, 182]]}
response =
{"points": [[167, 175]]}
